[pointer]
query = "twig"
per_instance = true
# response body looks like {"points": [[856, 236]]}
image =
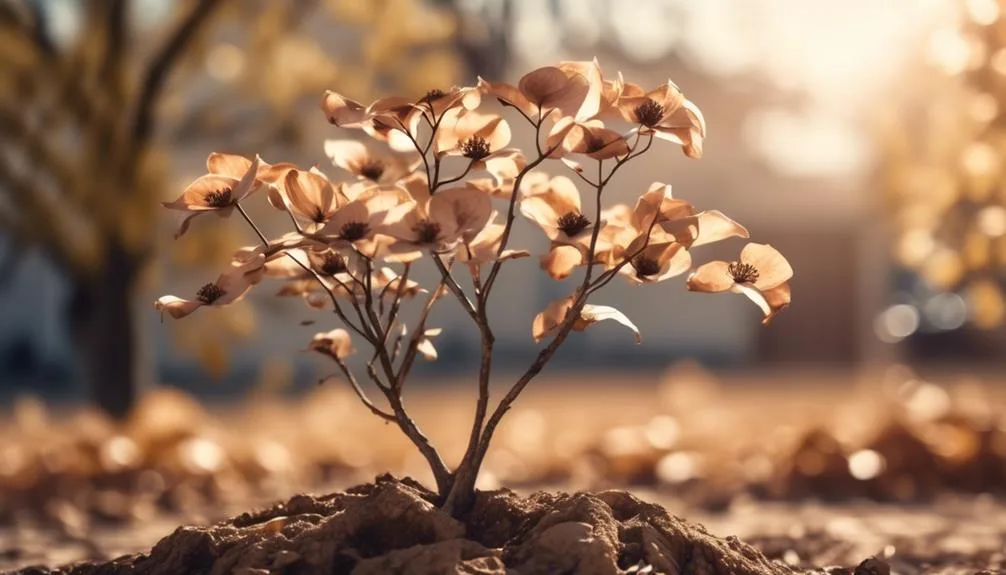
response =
{"points": [[360, 393], [308, 269]]}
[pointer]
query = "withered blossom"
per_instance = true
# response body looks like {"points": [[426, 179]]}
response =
{"points": [[590, 138], [473, 135], [336, 344], [230, 287], [556, 208], [310, 197], [356, 223], [214, 193], [484, 248], [652, 263], [547, 89], [555, 313], [666, 114], [504, 167], [392, 120], [762, 274], [425, 345], [354, 157], [451, 215], [437, 103]]}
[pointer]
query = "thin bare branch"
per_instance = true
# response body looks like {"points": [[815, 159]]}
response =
{"points": [[307, 268], [362, 395]]}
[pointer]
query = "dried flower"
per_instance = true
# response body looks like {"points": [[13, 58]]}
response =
{"points": [[762, 274], [214, 193], [665, 113], [555, 314], [230, 287], [335, 344], [450, 216]]}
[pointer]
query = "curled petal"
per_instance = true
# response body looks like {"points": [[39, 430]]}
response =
{"points": [[773, 269], [545, 87], [555, 314], [426, 348], [176, 306], [561, 260], [590, 72], [713, 277], [342, 111], [778, 299], [229, 165], [685, 126], [592, 314], [198, 195], [509, 95], [548, 320], [592, 139], [714, 226], [349, 155], [336, 344], [464, 211], [310, 196]]}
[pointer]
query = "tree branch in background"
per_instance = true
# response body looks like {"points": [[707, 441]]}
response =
{"points": [[161, 66]]}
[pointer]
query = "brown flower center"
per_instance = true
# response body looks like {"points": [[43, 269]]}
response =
{"points": [[219, 198], [646, 267], [475, 148], [649, 113], [572, 223], [210, 293], [432, 96], [352, 231], [318, 216], [426, 231], [743, 273], [592, 142], [372, 169], [333, 264]]}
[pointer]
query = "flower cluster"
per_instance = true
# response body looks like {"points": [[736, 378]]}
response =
{"points": [[356, 237]]}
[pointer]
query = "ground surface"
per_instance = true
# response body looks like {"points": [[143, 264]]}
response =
{"points": [[902, 464]]}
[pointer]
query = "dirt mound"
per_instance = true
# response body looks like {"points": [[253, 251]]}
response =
{"points": [[392, 526]]}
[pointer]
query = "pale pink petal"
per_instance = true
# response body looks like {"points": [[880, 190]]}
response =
{"points": [[248, 182], [592, 314], [713, 277], [508, 95], [548, 320], [543, 86], [540, 211], [773, 269], [754, 295], [426, 348], [714, 226], [342, 111], [591, 72], [336, 343], [176, 307], [194, 197], [467, 209], [778, 298], [349, 155], [561, 260], [229, 165]]}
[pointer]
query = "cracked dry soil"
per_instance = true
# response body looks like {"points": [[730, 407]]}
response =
{"points": [[392, 526]]}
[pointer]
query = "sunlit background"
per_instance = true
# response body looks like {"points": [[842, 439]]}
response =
{"points": [[865, 148], [862, 139]]}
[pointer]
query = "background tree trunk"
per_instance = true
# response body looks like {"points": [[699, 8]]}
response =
{"points": [[104, 331]]}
